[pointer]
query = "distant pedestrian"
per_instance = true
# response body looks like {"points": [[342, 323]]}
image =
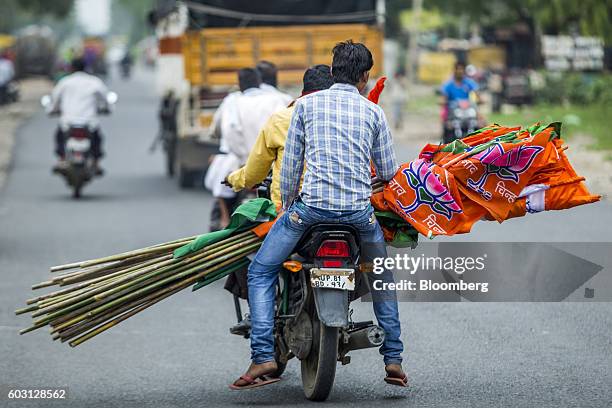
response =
{"points": [[399, 96]]}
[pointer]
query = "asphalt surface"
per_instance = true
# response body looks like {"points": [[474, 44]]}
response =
{"points": [[180, 354]]}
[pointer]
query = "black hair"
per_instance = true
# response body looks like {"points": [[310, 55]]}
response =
{"points": [[268, 72], [317, 78], [248, 78], [78, 64], [459, 64], [351, 60]]}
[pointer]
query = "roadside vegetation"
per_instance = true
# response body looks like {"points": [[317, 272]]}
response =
{"points": [[582, 102]]}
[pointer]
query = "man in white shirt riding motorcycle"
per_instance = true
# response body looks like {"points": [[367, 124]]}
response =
{"points": [[77, 97]]}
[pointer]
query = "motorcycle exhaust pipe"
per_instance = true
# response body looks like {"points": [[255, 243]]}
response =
{"points": [[366, 337]]}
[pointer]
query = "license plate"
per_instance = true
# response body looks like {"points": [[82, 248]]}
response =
{"points": [[78, 145], [333, 278]]}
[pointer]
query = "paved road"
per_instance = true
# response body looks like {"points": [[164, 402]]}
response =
{"points": [[179, 354]]}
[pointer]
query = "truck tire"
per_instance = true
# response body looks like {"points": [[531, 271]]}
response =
{"points": [[170, 156], [186, 178], [76, 192], [170, 159]]}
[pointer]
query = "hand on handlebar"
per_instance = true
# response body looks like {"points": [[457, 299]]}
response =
{"points": [[225, 182]]}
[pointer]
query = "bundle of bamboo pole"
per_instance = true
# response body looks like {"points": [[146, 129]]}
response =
{"points": [[100, 293]]}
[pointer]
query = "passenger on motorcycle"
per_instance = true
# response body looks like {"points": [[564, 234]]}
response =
{"points": [[335, 133], [267, 153], [238, 120], [78, 97]]}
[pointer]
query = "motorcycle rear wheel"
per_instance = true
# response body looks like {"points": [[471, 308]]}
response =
{"points": [[319, 368]]}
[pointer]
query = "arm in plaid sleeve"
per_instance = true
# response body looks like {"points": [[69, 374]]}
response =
{"points": [[383, 154], [293, 158]]}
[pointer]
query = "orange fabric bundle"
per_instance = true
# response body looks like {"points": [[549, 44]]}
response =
{"points": [[496, 173]]}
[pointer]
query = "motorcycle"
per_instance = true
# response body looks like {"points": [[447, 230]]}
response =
{"points": [[126, 69], [9, 93], [312, 316], [79, 169], [462, 120]]}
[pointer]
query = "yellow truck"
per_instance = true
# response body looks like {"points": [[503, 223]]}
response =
{"points": [[197, 66]]}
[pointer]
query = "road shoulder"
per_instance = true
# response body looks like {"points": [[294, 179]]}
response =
{"points": [[13, 115]]}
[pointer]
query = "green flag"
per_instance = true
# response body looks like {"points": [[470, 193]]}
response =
{"points": [[246, 215]]}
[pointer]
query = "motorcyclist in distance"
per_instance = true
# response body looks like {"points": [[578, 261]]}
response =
{"points": [[459, 87], [78, 98]]}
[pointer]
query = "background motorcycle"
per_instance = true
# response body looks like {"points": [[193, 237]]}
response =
{"points": [[9, 93], [462, 119], [125, 69], [79, 162]]}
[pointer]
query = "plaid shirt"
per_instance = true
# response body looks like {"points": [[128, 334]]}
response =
{"points": [[336, 132]]}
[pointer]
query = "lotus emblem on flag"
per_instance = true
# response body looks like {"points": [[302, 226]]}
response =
{"points": [[507, 165], [428, 190]]}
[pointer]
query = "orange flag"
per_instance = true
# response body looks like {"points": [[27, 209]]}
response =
{"points": [[496, 173]]}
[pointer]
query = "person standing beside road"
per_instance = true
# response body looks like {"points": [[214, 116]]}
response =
{"points": [[238, 119], [336, 133], [77, 97], [269, 80], [399, 97]]}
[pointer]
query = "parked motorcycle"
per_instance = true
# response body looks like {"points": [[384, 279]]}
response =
{"points": [[79, 169], [9, 93], [312, 317], [462, 120]]}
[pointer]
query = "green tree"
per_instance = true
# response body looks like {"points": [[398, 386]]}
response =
{"points": [[589, 17], [16, 13], [134, 11], [55, 8]]}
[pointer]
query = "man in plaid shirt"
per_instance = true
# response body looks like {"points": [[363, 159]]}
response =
{"points": [[335, 133]]}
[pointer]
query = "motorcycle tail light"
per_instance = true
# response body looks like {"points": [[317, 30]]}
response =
{"points": [[332, 248], [79, 133]]}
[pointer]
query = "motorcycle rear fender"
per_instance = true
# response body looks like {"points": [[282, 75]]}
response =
{"points": [[332, 306]]}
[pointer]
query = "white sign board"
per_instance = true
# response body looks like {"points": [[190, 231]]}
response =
{"points": [[565, 53]]}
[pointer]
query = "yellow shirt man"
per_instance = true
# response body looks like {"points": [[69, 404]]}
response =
{"points": [[267, 152]]}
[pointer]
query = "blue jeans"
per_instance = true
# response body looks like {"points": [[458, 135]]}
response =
{"points": [[280, 243]]}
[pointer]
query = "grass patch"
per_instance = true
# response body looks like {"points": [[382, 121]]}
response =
{"points": [[424, 104], [591, 120]]}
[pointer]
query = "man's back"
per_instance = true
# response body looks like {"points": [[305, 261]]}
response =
{"points": [[285, 98], [340, 132], [254, 108], [77, 95]]}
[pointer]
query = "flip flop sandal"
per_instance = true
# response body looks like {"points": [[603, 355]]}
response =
{"points": [[400, 382], [253, 382]]}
